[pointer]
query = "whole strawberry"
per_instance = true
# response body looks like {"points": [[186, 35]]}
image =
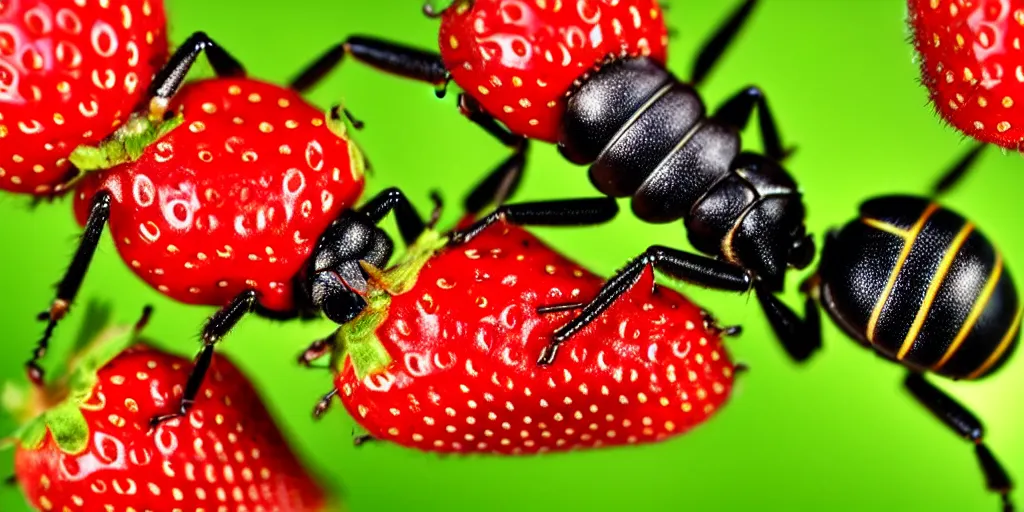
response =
{"points": [[972, 66], [447, 359], [70, 73], [519, 60], [92, 448], [234, 198]]}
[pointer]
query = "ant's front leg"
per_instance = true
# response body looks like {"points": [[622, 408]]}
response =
{"points": [[216, 328], [71, 283], [503, 181]]}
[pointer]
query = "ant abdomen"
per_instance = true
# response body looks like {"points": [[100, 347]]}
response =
{"points": [[646, 135]]}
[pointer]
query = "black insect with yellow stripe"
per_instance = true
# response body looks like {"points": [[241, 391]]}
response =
{"points": [[923, 287]]}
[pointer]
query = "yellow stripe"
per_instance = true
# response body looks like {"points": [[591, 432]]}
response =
{"points": [[933, 289], [885, 226], [1003, 345], [972, 318], [907, 245]]}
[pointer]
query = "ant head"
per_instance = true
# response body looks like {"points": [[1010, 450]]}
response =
{"points": [[335, 280], [770, 238], [339, 293]]}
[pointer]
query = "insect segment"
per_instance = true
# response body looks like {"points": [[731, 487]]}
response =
{"points": [[227, 208], [922, 286], [644, 133], [441, 355], [69, 74]]}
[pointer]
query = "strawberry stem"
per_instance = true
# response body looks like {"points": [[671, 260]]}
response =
{"points": [[357, 341]]}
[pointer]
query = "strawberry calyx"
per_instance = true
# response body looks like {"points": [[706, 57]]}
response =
{"points": [[357, 341], [126, 144], [57, 406]]}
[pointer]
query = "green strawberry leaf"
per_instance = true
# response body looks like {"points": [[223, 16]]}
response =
{"points": [[68, 427], [357, 340], [402, 276], [126, 144], [65, 420]]}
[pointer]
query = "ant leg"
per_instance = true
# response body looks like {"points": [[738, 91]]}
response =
{"points": [[410, 224], [964, 423], [72, 281], [143, 320], [688, 267], [711, 324], [386, 56], [318, 349], [361, 439], [216, 328], [715, 47], [558, 308], [953, 175], [338, 110], [736, 113], [499, 183], [170, 77], [324, 403], [476, 113], [799, 338], [565, 212], [435, 212], [503, 181]]}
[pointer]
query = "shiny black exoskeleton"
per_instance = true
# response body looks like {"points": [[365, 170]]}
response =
{"points": [[646, 135], [335, 281], [923, 287]]}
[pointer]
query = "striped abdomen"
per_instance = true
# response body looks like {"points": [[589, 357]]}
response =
{"points": [[923, 286]]}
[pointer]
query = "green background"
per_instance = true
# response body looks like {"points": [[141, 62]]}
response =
{"points": [[836, 434]]}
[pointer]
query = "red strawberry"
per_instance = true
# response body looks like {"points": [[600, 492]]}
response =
{"points": [[519, 59], [447, 361], [234, 198], [92, 449], [70, 72], [972, 65]]}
